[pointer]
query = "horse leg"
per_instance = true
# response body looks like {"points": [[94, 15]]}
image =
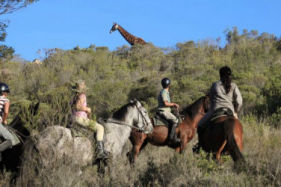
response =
{"points": [[218, 153], [184, 141], [178, 149], [138, 144]]}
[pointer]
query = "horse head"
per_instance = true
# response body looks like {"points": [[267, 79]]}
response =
{"points": [[141, 117]]}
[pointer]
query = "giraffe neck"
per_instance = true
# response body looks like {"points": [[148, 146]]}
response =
{"points": [[129, 37]]}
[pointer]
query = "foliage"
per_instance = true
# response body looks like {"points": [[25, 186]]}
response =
{"points": [[9, 6], [114, 77], [6, 7], [6, 52]]}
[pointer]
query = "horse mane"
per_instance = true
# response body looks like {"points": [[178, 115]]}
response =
{"points": [[121, 113], [192, 109]]}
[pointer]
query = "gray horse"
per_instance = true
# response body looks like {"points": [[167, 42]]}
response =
{"points": [[119, 127]]}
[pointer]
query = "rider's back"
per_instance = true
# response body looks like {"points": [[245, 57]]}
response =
{"points": [[221, 99]]}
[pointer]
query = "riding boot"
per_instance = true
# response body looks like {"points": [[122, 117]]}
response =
{"points": [[101, 153], [3, 146], [173, 136]]}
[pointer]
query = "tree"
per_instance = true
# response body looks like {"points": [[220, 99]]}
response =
{"points": [[7, 7], [6, 52]]}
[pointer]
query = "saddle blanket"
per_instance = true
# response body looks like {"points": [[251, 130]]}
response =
{"points": [[221, 112], [158, 121]]}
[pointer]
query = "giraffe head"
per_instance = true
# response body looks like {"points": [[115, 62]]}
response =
{"points": [[113, 28]]}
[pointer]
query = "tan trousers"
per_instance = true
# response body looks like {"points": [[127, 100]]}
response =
{"points": [[169, 116], [93, 125]]}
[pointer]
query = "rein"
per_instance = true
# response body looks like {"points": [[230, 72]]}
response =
{"points": [[143, 118], [118, 122], [111, 120]]}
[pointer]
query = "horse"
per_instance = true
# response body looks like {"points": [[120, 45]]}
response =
{"points": [[118, 128], [11, 158], [159, 137], [223, 134]]}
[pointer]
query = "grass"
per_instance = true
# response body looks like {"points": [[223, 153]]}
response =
{"points": [[160, 166]]}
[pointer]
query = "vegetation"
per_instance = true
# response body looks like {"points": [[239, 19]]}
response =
{"points": [[6, 7], [114, 77]]}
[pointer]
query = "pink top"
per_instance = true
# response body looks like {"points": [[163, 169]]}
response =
{"points": [[78, 113]]}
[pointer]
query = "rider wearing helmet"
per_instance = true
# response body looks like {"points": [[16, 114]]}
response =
{"points": [[164, 108], [224, 95], [81, 112], [10, 139]]}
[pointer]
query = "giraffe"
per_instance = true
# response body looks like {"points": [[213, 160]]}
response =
{"points": [[129, 37]]}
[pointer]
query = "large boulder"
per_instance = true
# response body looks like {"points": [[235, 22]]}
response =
{"points": [[55, 154]]}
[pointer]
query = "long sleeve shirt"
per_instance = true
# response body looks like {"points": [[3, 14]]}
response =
{"points": [[220, 99]]}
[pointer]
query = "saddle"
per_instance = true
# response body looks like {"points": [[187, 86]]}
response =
{"points": [[158, 120], [221, 112]]}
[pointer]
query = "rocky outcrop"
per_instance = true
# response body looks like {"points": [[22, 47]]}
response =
{"points": [[55, 153]]}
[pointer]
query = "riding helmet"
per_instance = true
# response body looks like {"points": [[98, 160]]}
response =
{"points": [[165, 82], [4, 88]]}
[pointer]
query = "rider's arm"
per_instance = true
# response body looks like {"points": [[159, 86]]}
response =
{"points": [[6, 112], [80, 106], [237, 99], [168, 104]]}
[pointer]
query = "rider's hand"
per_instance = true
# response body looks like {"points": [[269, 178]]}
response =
{"points": [[89, 110], [5, 122], [176, 105]]}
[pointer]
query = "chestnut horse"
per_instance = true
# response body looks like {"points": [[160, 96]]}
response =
{"points": [[160, 135], [224, 134]]}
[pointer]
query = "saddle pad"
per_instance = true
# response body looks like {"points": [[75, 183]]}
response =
{"points": [[221, 112], [157, 121]]}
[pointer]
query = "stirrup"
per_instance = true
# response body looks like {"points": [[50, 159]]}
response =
{"points": [[174, 139], [102, 154]]}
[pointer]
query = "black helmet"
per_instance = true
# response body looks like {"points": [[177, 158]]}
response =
{"points": [[165, 82], [4, 88], [225, 71]]}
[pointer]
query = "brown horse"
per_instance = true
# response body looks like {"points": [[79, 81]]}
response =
{"points": [[160, 135], [224, 134]]}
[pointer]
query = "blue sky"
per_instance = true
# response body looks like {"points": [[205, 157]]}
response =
{"points": [[67, 23]]}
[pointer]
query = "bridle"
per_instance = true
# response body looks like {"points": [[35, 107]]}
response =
{"points": [[146, 123]]}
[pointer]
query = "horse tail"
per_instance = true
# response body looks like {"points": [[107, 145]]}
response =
{"points": [[231, 142]]}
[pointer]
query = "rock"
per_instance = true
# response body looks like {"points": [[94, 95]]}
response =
{"points": [[56, 154], [54, 143], [36, 61], [83, 152]]}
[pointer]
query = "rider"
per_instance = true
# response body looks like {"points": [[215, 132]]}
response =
{"points": [[224, 95], [81, 113], [10, 139], [164, 108]]}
